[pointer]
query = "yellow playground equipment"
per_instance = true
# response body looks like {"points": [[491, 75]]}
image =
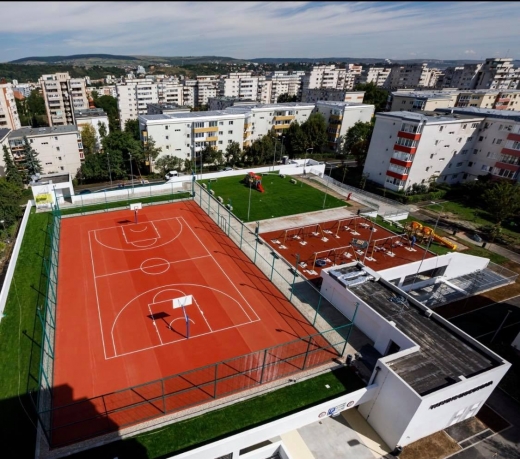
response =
{"points": [[423, 233]]}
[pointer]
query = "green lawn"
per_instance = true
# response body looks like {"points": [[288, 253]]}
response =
{"points": [[280, 198], [16, 347], [233, 419]]}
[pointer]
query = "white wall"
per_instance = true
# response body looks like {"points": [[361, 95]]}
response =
{"points": [[458, 264], [392, 407], [372, 324], [94, 122], [235, 443]]}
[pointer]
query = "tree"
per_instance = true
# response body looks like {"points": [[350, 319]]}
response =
{"points": [[373, 95], [285, 97], [315, 130], [168, 163], [31, 163], [357, 141], [232, 152], [102, 129], [123, 146], [296, 141], [10, 195], [12, 174], [150, 152], [502, 200], [109, 105], [132, 127], [89, 139]]}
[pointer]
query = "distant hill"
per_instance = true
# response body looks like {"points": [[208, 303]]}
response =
{"points": [[86, 60]]}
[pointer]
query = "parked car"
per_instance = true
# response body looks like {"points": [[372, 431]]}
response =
{"points": [[476, 237], [171, 174], [225, 169]]}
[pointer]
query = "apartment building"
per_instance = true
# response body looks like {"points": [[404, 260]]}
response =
{"points": [[24, 89], [95, 117], [421, 100], [411, 76], [207, 86], [63, 95], [377, 75], [221, 103], [283, 82], [133, 97], [341, 116], [189, 93], [185, 134], [352, 76], [335, 95], [109, 90], [498, 73], [9, 118], [59, 148], [4, 140], [325, 76], [449, 145], [239, 86]]}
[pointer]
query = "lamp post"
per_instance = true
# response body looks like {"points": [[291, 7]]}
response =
{"points": [[131, 171], [429, 241], [109, 171], [274, 156], [327, 187]]}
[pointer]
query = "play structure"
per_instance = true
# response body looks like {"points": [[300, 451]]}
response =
{"points": [[423, 233], [254, 181]]}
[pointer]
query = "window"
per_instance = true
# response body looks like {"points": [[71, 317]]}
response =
{"points": [[59, 158], [58, 148], [446, 146], [167, 147], [428, 168], [459, 164], [221, 123], [431, 156], [441, 128], [166, 127], [229, 141], [200, 124], [220, 132], [475, 151], [230, 132], [464, 126], [188, 136], [442, 159], [55, 138], [484, 168], [481, 138], [474, 125], [452, 132], [220, 142], [459, 139], [499, 141], [62, 168], [48, 164], [212, 123], [31, 140], [177, 130], [470, 139], [166, 137], [464, 152], [231, 122], [449, 165], [470, 164], [437, 142]]}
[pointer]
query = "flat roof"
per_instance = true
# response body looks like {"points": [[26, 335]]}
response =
{"points": [[425, 94], [484, 112], [4, 132], [56, 178], [333, 103], [435, 116], [88, 112], [31, 132], [444, 355]]}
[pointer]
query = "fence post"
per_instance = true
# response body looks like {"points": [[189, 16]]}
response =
{"points": [[229, 223], [106, 202], [163, 399], [295, 273], [307, 352], [216, 379], [263, 367], [241, 235], [272, 267]]}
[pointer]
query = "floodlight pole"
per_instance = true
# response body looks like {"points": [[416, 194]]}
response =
{"points": [[274, 156], [327, 187], [429, 241], [131, 171], [305, 163], [249, 205]]}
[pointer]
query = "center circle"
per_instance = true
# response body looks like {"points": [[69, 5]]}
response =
{"points": [[155, 266]]}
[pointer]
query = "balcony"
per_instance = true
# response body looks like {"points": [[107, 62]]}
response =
{"points": [[400, 162], [513, 137], [206, 129], [409, 135], [510, 151], [284, 118], [211, 139], [281, 126], [336, 117], [404, 149], [247, 126], [397, 175]]}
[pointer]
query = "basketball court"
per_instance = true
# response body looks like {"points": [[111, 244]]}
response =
{"points": [[325, 244], [149, 293]]}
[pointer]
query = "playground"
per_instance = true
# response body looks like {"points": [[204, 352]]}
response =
{"points": [[356, 238]]}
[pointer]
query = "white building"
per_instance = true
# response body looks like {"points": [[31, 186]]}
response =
{"points": [[282, 82], [59, 148], [498, 73], [411, 76], [325, 76], [352, 76], [377, 75], [422, 100], [4, 140], [239, 86], [335, 95], [63, 95], [9, 117], [95, 117], [449, 145], [165, 108], [133, 97], [341, 116], [24, 89]]}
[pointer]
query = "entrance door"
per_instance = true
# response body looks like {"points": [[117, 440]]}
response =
{"points": [[392, 348]]}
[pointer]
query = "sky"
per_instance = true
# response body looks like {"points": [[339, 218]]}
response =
{"points": [[247, 30]]}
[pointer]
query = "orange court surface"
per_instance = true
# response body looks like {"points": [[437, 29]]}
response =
{"points": [[138, 302], [343, 241]]}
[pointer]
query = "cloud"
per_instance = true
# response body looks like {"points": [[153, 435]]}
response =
{"points": [[442, 30], [469, 51]]}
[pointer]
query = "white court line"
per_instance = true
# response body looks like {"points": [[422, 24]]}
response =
{"points": [[230, 281], [202, 314], [136, 244], [138, 231], [136, 250], [165, 289], [202, 334], [97, 297], [144, 229], [120, 225], [151, 266], [155, 325]]}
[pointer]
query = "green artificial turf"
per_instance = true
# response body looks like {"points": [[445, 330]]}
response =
{"points": [[280, 198], [230, 420]]}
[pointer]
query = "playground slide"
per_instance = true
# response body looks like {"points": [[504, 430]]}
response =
{"points": [[447, 243], [260, 188]]}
